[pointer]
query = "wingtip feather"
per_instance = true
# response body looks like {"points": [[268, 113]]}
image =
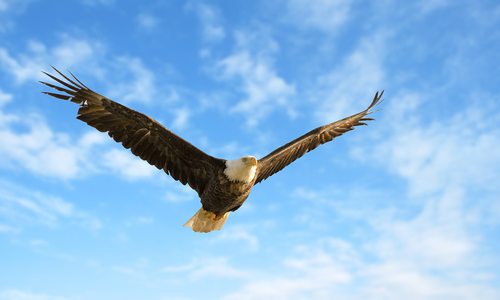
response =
{"points": [[67, 78], [58, 96], [377, 99], [82, 85]]}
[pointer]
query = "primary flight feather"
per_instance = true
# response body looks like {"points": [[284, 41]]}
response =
{"points": [[222, 185]]}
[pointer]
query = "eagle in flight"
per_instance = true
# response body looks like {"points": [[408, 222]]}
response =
{"points": [[222, 185]]}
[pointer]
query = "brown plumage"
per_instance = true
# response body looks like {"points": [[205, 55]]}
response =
{"points": [[288, 153], [222, 185]]}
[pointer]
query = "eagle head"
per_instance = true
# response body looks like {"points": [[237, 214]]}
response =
{"points": [[242, 169], [249, 160]]}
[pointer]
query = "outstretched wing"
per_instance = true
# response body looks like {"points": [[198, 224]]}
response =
{"points": [[286, 154], [141, 134]]}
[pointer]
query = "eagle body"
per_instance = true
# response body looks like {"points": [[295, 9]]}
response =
{"points": [[231, 187], [222, 185], [225, 193]]}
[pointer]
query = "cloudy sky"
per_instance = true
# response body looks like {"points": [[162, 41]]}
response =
{"points": [[406, 208]]}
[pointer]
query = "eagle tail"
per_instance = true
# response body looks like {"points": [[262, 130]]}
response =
{"points": [[206, 221]]}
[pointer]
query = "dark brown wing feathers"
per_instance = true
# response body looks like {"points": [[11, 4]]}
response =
{"points": [[286, 154], [141, 134]]}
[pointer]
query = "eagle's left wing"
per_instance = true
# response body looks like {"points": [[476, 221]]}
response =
{"points": [[286, 154], [144, 136]]}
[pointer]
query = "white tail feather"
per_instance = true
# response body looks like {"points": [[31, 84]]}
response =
{"points": [[206, 221]]}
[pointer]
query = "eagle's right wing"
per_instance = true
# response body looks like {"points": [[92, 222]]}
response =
{"points": [[144, 136], [286, 154]]}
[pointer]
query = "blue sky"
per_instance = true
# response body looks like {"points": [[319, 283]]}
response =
{"points": [[406, 208]]}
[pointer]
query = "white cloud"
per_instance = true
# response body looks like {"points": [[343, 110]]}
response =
{"points": [[4, 5], [210, 20], [142, 220], [40, 150], [324, 15], [14, 294], [29, 141], [218, 268], [70, 52], [10, 5], [250, 67], [137, 268], [180, 268], [429, 242], [31, 144], [127, 165], [97, 2], [147, 21], [432, 5], [4, 98], [179, 193], [452, 152], [8, 229], [313, 273], [130, 80], [206, 268], [9, 8], [230, 149], [21, 206], [439, 237], [334, 268], [397, 281], [127, 78], [349, 88], [181, 120], [264, 90], [239, 235]]}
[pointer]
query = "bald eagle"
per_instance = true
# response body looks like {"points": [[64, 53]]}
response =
{"points": [[222, 185]]}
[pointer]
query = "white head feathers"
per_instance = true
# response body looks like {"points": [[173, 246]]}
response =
{"points": [[242, 169]]}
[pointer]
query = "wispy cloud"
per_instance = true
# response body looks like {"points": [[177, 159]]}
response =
{"points": [[4, 98], [5, 5], [324, 15], [15, 294], [29, 140], [9, 8], [262, 88], [97, 2], [239, 235], [138, 268], [451, 152], [8, 229], [21, 206], [218, 268], [179, 193], [333, 267], [420, 240], [41, 150], [127, 165], [429, 6], [28, 65], [126, 78], [147, 21], [129, 80], [313, 273], [350, 86], [210, 20], [181, 119], [209, 267], [143, 220]]}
